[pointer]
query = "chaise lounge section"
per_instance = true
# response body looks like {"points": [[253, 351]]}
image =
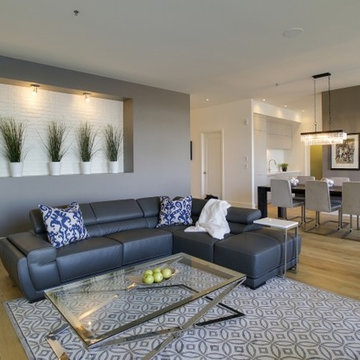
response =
{"points": [[124, 232]]}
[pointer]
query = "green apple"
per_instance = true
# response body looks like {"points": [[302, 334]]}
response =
{"points": [[157, 269], [148, 272], [167, 273], [158, 277], [148, 279]]}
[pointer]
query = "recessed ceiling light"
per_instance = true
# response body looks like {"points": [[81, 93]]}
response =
{"points": [[293, 32], [207, 99], [263, 99], [34, 88], [86, 96]]}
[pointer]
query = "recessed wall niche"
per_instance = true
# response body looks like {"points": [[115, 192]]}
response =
{"points": [[36, 110]]}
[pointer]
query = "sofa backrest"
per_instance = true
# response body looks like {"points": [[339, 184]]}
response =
{"points": [[150, 207], [114, 216], [107, 217], [103, 217], [239, 219]]}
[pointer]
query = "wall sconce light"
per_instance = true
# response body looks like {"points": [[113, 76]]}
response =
{"points": [[86, 96], [34, 88]]}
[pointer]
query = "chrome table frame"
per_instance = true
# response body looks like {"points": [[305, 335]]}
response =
{"points": [[228, 283]]}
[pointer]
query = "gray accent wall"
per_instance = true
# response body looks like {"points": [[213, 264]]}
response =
{"points": [[345, 115], [160, 144]]}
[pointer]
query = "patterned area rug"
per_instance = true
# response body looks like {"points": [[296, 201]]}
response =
{"points": [[284, 319]]}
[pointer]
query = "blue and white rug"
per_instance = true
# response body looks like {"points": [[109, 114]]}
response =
{"points": [[284, 319]]}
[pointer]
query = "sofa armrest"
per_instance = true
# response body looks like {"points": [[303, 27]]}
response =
{"points": [[243, 216], [34, 247]]}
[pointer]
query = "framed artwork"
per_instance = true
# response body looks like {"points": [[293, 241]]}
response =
{"points": [[346, 155]]}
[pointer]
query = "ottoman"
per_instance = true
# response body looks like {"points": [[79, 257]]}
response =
{"points": [[259, 254]]}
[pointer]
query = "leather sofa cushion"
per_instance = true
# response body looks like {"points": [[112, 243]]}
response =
{"points": [[152, 221], [143, 244], [197, 206], [150, 206], [236, 228], [88, 214], [253, 253], [37, 220], [34, 246], [173, 228], [116, 226], [242, 215], [87, 257], [198, 244], [117, 210]]}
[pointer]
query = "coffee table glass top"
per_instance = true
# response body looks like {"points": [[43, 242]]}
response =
{"points": [[103, 306]]}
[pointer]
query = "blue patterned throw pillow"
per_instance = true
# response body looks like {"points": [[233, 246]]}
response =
{"points": [[64, 226], [175, 212]]}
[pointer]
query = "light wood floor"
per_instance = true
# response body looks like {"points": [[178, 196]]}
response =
{"points": [[329, 262]]}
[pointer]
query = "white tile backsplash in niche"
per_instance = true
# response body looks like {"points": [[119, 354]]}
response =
{"points": [[37, 111]]}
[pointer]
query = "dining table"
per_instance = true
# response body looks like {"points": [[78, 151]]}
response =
{"points": [[262, 192]]}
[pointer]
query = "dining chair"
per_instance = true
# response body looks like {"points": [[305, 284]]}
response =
{"points": [[303, 179], [351, 200], [281, 196], [317, 198], [338, 181]]}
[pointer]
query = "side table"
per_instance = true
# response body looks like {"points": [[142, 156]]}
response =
{"points": [[284, 225]]}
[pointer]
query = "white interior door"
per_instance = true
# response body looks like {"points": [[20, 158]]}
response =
{"points": [[212, 164]]}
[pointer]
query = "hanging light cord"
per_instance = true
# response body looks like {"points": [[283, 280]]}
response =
{"points": [[329, 96], [315, 122]]}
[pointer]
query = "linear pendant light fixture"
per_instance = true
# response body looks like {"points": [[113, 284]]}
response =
{"points": [[323, 137]]}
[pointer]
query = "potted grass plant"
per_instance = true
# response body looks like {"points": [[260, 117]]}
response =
{"points": [[13, 135], [113, 141], [86, 146], [284, 166], [56, 134]]}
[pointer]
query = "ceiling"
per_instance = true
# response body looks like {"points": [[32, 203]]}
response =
{"points": [[220, 50]]}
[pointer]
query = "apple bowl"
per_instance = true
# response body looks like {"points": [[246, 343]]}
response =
{"points": [[154, 276]]}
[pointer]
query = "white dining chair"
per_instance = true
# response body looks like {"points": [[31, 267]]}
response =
{"points": [[281, 196], [304, 178], [351, 200], [317, 198], [338, 181]]}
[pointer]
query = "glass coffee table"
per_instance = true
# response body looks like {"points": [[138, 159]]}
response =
{"points": [[99, 309]]}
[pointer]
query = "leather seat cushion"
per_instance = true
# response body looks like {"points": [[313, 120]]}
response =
{"points": [[87, 257], [143, 244], [199, 244], [252, 253], [173, 228]]}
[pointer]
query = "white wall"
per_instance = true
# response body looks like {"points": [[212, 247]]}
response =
{"points": [[36, 111], [264, 108], [160, 135], [235, 121]]}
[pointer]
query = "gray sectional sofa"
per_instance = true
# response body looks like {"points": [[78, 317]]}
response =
{"points": [[123, 232]]}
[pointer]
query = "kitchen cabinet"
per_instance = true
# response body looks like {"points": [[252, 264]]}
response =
{"points": [[279, 142], [279, 135]]}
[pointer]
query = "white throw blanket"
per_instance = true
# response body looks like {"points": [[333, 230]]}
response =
{"points": [[212, 219]]}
